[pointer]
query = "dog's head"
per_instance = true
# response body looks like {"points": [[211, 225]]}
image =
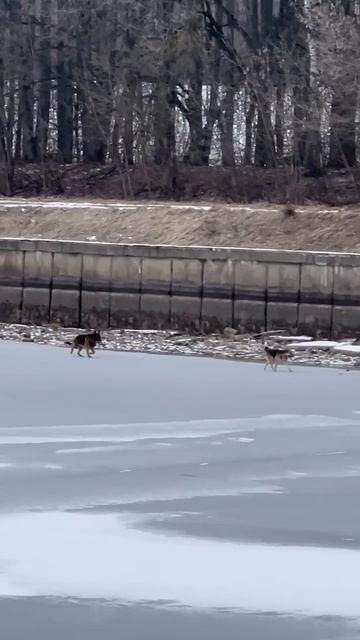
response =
{"points": [[96, 336]]}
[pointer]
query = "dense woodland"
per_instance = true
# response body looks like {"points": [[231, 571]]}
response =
{"points": [[173, 84]]}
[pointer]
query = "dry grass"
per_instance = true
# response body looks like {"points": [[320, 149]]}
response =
{"points": [[255, 225]]}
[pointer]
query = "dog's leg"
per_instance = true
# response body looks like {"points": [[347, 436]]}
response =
{"points": [[272, 365], [79, 351], [87, 348], [286, 361]]}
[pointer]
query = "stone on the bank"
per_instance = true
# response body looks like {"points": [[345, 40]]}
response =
{"points": [[229, 333]]}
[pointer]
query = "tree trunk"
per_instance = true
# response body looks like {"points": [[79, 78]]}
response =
{"points": [[18, 138], [262, 88], [265, 19], [227, 128], [249, 125], [305, 141], [65, 87], [164, 123], [128, 126], [201, 134], [27, 98], [6, 170], [343, 123], [226, 120], [94, 142], [133, 16], [195, 154], [164, 104], [313, 152], [94, 80], [77, 144], [65, 107], [343, 110], [26, 107], [6, 174], [212, 117], [13, 66], [264, 140], [43, 113], [279, 122], [301, 111]]}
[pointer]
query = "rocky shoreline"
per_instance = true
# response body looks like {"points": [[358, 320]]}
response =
{"points": [[230, 345]]}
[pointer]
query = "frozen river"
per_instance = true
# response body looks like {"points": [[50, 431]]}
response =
{"points": [[151, 497]]}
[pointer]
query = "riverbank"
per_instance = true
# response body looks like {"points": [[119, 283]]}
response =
{"points": [[230, 345], [260, 225]]}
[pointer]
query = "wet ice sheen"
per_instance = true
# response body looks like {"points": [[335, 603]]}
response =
{"points": [[106, 556], [62, 554], [133, 432]]}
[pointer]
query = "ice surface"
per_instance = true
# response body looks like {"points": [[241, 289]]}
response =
{"points": [[58, 554], [137, 432]]}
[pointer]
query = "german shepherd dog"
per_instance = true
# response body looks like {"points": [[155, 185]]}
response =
{"points": [[275, 356], [87, 341]]}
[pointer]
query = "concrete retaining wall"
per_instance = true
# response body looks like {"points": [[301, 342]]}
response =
{"points": [[109, 285]]}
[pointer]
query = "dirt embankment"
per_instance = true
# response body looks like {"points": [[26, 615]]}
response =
{"points": [[312, 227]]}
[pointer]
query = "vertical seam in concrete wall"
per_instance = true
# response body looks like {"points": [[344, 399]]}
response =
{"points": [[201, 294], [299, 301], [111, 290], [51, 285], [233, 295], [171, 290], [300, 284], [332, 303], [109, 293], [266, 294], [298, 296], [80, 290], [22, 286], [140, 291]]}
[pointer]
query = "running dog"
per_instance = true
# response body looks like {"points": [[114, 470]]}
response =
{"points": [[87, 341], [275, 356]]}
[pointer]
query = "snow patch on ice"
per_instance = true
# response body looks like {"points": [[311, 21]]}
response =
{"points": [[100, 557], [239, 439], [135, 432]]}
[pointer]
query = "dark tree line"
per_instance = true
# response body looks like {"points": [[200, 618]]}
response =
{"points": [[268, 83]]}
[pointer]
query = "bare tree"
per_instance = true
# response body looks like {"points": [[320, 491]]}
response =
{"points": [[168, 83]]}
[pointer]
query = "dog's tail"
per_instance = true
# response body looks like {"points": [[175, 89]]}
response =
{"points": [[67, 343]]}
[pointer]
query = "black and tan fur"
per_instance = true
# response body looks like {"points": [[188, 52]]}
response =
{"points": [[87, 341], [276, 356]]}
